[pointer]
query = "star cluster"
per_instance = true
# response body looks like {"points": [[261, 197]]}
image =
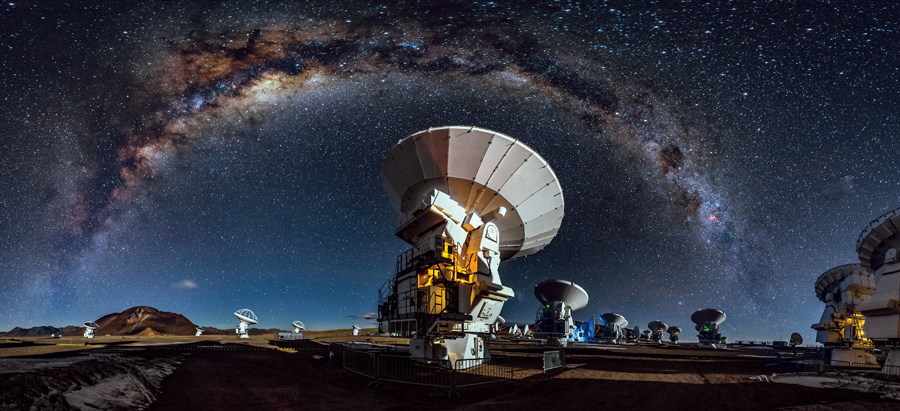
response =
{"points": [[200, 159]]}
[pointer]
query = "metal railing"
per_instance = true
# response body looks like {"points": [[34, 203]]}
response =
{"points": [[404, 369], [865, 366], [477, 372], [382, 366], [554, 359], [362, 363], [890, 370]]}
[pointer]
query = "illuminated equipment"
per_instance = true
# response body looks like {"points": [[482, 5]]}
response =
{"points": [[635, 334], [707, 323], [559, 298], [877, 248], [200, 331], [515, 331], [614, 331], [657, 328], [673, 334], [89, 328], [645, 335], [356, 329], [296, 332], [583, 332], [468, 198], [246, 318], [526, 331], [796, 339], [843, 289]]}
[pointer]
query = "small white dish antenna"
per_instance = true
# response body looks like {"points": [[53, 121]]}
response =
{"points": [[298, 326], [89, 328], [356, 329], [673, 333], [558, 298], [247, 318], [614, 331], [796, 339], [707, 322], [200, 331], [657, 328]]}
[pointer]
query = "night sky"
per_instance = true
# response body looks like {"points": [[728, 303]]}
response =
{"points": [[205, 158]]}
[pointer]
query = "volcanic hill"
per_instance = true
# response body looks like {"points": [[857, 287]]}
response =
{"points": [[135, 320]]}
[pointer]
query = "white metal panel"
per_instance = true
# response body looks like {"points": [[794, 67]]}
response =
{"points": [[466, 153], [515, 157], [532, 176], [541, 202], [500, 144], [431, 149]]}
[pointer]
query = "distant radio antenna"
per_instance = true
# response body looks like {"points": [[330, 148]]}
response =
{"points": [[247, 318], [296, 334], [89, 328], [614, 331], [356, 329], [657, 328], [673, 334], [796, 339], [559, 298], [200, 331], [707, 323]]}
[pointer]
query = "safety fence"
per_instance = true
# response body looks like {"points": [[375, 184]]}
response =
{"points": [[554, 359], [865, 366], [383, 366], [803, 365], [890, 370]]}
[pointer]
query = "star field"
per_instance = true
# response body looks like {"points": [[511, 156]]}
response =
{"points": [[205, 158]]}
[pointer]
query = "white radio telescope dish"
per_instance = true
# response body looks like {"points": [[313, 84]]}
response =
{"points": [[614, 331], [879, 237], [707, 322], [298, 326], [89, 328], [356, 329], [796, 339], [468, 199], [559, 298], [484, 171], [673, 333], [200, 331], [657, 328], [247, 318]]}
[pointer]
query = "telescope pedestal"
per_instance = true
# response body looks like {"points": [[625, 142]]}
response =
{"points": [[852, 355], [451, 349]]}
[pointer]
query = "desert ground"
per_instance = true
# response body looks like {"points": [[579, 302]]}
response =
{"points": [[229, 373]]}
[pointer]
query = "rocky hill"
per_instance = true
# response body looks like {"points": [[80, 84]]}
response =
{"points": [[41, 331], [137, 319]]}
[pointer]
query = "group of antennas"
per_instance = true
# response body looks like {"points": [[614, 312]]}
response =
{"points": [[862, 313], [246, 318]]}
